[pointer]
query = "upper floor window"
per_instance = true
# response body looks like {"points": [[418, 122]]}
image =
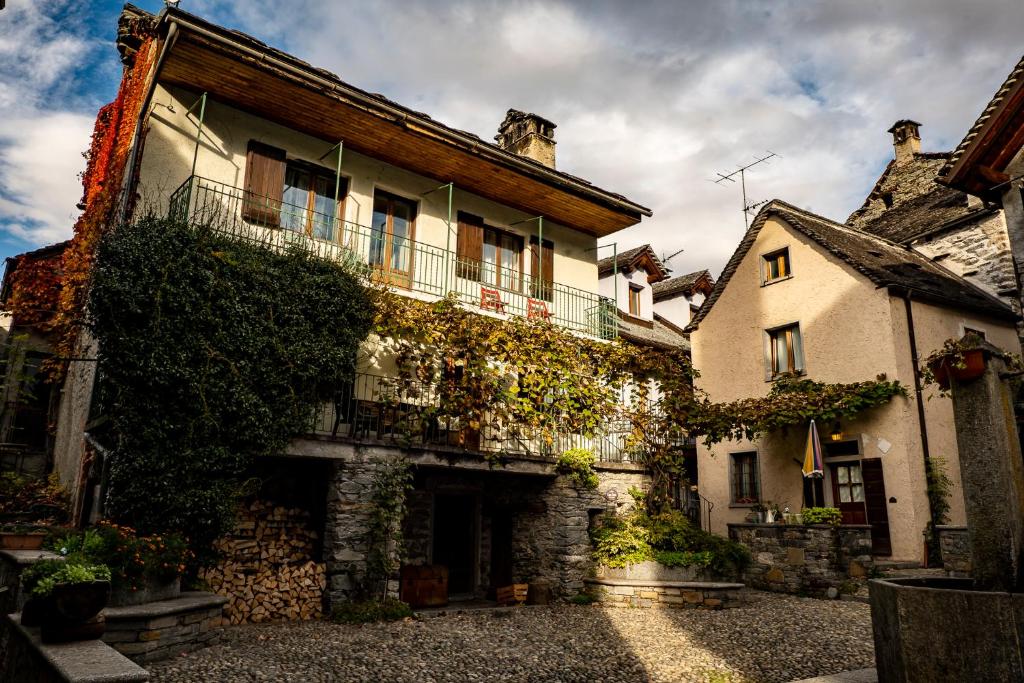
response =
{"points": [[496, 257], [502, 264], [290, 194], [775, 266], [744, 484], [391, 235], [634, 299], [785, 353]]}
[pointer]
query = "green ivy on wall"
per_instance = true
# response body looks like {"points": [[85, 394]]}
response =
{"points": [[212, 352]]}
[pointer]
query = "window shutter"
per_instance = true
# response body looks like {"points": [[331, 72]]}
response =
{"points": [[542, 288], [469, 246], [798, 350], [264, 184]]}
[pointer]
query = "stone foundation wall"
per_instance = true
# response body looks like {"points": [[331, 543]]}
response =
{"points": [[673, 594], [550, 520], [800, 559], [156, 630], [955, 549]]}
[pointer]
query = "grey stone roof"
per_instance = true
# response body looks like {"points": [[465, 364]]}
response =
{"points": [[884, 263], [1012, 81], [629, 258], [660, 333], [683, 284]]}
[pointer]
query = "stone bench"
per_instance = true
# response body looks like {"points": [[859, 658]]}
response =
{"points": [[676, 594]]}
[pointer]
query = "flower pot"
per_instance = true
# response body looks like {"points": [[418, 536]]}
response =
{"points": [[974, 367], [70, 612], [22, 540]]}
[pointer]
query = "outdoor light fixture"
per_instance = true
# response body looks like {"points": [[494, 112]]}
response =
{"points": [[837, 432]]}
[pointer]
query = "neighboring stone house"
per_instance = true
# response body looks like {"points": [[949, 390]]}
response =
{"points": [[510, 235], [802, 294], [966, 234]]}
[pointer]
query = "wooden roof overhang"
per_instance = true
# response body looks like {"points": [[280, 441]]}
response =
{"points": [[241, 71], [981, 165]]}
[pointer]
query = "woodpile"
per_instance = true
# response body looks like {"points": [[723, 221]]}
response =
{"points": [[267, 570]]}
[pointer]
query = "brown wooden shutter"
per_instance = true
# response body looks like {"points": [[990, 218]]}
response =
{"points": [[470, 246], [542, 289], [876, 505], [264, 184]]}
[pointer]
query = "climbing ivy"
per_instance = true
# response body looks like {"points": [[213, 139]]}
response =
{"points": [[791, 401], [212, 352], [392, 482]]}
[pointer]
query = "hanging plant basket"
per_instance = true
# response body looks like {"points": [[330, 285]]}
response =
{"points": [[973, 367]]}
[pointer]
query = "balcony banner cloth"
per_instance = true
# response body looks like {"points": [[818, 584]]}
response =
{"points": [[812, 454]]}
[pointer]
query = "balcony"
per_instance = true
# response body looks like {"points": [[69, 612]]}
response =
{"points": [[384, 410], [405, 264]]}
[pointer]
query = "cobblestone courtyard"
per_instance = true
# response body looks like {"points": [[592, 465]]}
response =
{"points": [[773, 638]]}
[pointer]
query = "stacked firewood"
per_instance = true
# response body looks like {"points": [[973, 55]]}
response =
{"points": [[267, 570]]}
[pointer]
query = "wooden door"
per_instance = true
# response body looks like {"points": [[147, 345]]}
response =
{"points": [[877, 507], [848, 491]]}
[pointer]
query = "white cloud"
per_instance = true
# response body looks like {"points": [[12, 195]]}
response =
{"points": [[651, 98]]}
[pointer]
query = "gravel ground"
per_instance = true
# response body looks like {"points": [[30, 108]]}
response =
{"points": [[773, 638]]}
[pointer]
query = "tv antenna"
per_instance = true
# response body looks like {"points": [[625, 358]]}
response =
{"points": [[742, 173], [666, 259]]}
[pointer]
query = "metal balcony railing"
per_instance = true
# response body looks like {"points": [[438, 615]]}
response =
{"points": [[379, 409], [401, 262]]}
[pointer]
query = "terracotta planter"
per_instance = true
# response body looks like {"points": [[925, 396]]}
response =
{"points": [[974, 367], [22, 540]]}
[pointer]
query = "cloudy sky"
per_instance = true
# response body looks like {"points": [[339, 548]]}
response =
{"points": [[651, 98]]}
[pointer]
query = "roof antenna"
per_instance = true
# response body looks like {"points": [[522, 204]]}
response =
{"points": [[741, 171], [666, 259]]}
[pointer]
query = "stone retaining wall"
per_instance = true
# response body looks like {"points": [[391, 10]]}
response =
{"points": [[12, 564], [156, 630], [956, 552], [673, 594], [25, 659], [815, 559]]}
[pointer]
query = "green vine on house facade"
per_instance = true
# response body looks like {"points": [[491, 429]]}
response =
{"points": [[211, 352]]}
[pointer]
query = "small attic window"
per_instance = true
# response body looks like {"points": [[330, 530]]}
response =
{"points": [[775, 266]]}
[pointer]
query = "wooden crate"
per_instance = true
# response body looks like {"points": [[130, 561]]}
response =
{"points": [[514, 594]]}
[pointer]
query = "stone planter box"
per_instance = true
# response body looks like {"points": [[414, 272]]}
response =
{"points": [[652, 571], [665, 594], [122, 596], [955, 549], [941, 630]]}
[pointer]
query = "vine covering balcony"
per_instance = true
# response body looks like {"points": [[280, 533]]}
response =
{"points": [[403, 263]]}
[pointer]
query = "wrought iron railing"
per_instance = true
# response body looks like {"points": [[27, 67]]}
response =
{"points": [[380, 409], [403, 263]]}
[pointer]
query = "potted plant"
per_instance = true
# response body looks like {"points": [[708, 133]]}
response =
{"points": [[21, 537], [65, 599], [962, 359], [759, 510]]}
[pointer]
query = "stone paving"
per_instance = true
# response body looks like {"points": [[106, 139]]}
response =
{"points": [[772, 638]]}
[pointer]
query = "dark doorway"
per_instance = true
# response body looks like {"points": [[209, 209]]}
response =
{"points": [[455, 540]]}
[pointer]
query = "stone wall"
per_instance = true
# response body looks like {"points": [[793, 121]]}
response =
{"points": [[955, 549], [673, 594], [157, 630], [550, 520], [797, 559]]}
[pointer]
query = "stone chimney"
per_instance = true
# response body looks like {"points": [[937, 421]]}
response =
{"points": [[528, 135], [906, 140]]}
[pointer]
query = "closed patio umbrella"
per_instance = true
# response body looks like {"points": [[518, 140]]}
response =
{"points": [[812, 454]]}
